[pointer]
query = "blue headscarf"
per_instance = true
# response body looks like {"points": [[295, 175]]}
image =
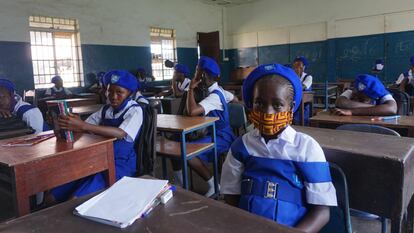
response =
{"points": [[55, 79], [209, 65], [303, 60], [121, 78], [370, 86], [8, 85], [271, 69], [182, 69]]}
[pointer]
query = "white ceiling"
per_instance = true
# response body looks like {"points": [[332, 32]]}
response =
{"points": [[227, 2]]}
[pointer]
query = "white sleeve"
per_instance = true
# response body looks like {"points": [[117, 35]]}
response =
{"points": [[386, 98], [34, 119], [95, 118], [210, 103], [347, 94], [308, 81], [400, 79], [228, 96], [48, 91], [320, 193], [231, 175], [132, 123]]}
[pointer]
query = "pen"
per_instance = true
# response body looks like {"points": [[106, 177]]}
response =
{"points": [[386, 118], [152, 206]]}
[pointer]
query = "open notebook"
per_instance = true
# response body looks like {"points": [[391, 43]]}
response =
{"points": [[124, 202]]}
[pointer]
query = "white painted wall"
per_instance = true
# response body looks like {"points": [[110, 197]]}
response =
{"points": [[114, 22], [281, 22]]}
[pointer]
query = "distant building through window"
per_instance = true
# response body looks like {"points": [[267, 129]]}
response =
{"points": [[163, 47], [55, 47]]}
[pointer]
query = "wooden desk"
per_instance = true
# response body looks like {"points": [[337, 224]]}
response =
{"points": [[76, 102], [184, 125], [86, 110], [29, 170], [379, 171], [185, 212], [307, 97], [404, 125]]}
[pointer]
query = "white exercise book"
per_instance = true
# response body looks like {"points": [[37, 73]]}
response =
{"points": [[124, 202]]}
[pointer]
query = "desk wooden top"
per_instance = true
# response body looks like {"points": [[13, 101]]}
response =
{"points": [[71, 100], [389, 147], [12, 156], [185, 212], [404, 121], [176, 123], [87, 109]]}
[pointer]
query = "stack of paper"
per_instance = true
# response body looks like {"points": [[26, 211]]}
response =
{"points": [[124, 202]]}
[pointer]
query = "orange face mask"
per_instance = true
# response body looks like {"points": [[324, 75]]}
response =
{"points": [[271, 124]]}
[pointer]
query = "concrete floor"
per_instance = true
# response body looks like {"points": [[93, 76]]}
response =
{"points": [[359, 225]]}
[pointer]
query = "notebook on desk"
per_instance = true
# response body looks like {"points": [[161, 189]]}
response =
{"points": [[123, 203]]}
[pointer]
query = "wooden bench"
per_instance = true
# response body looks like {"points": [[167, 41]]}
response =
{"points": [[172, 149]]}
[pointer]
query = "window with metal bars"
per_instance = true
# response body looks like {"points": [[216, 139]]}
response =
{"points": [[55, 47], [163, 47]]}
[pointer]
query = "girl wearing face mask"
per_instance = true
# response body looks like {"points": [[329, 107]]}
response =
{"points": [[299, 66], [378, 68], [274, 171]]}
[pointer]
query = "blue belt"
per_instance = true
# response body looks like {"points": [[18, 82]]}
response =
{"points": [[272, 190]]}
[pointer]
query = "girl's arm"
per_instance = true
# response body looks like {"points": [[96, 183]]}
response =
{"points": [[315, 219], [73, 122]]}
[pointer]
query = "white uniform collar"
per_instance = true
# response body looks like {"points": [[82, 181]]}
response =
{"points": [[58, 90], [19, 102], [213, 87], [303, 75], [287, 135]]}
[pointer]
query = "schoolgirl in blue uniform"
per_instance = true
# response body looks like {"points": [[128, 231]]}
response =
{"points": [[214, 105], [180, 82], [299, 66], [405, 81], [368, 98], [378, 68], [12, 104], [58, 91], [274, 171], [122, 118]]}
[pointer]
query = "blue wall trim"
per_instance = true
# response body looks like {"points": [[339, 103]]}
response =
{"points": [[333, 59], [16, 64]]}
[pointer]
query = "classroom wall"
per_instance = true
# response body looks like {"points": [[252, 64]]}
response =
{"points": [[340, 38], [114, 34]]}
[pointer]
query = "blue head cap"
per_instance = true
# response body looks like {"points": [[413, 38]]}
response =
{"points": [[182, 69], [55, 79], [141, 70], [209, 65], [121, 78], [370, 86], [271, 69], [303, 60], [379, 62], [8, 85], [412, 60]]}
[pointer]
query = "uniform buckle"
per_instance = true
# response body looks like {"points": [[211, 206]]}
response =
{"points": [[271, 189]]}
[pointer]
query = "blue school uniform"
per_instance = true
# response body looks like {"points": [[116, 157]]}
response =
{"points": [[129, 118], [29, 114], [214, 107], [278, 179], [306, 80]]}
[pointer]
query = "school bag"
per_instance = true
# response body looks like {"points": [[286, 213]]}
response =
{"points": [[199, 94], [13, 127], [144, 145], [403, 101]]}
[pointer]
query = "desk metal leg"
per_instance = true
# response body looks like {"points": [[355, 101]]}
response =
{"points": [[184, 161], [164, 168], [215, 168]]}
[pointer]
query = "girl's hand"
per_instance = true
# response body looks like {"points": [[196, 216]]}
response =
{"points": [[197, 79], [71, 122], [342, 112], [5, 113]]}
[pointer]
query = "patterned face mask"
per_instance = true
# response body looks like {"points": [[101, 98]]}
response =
{"points": [[271, 124]]}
